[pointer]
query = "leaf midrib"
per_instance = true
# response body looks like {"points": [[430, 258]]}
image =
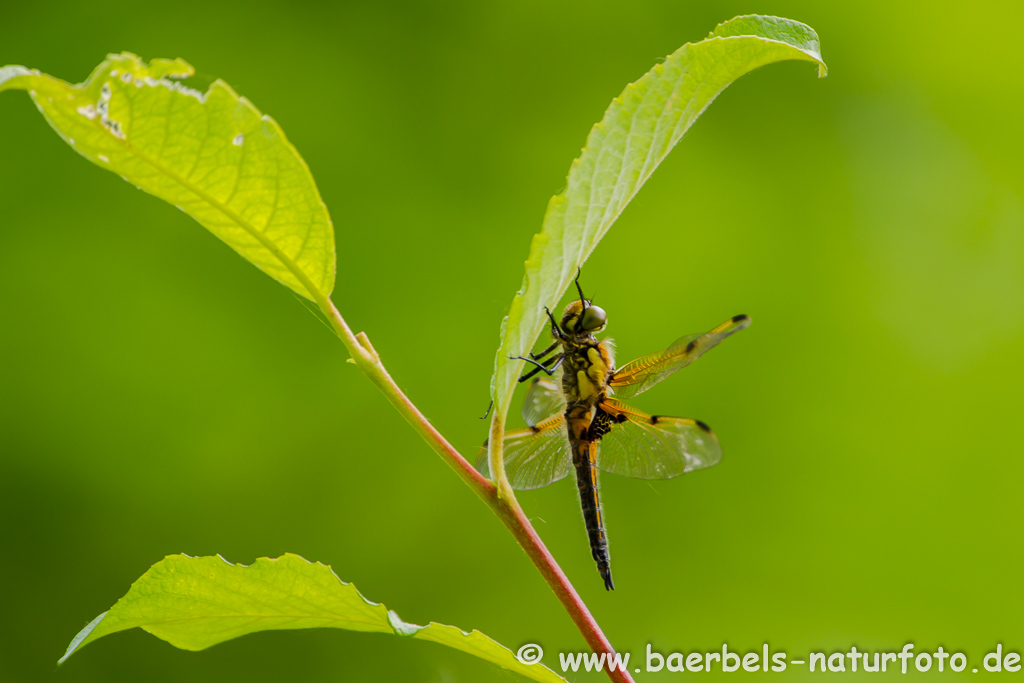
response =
{"points": [[288, 263]]}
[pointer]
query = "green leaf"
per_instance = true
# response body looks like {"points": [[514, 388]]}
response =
{"points": [[196, 602], [211, 154], [638, 130]]}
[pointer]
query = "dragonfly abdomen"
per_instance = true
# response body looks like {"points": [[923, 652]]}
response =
{"points": [[585, 462]]}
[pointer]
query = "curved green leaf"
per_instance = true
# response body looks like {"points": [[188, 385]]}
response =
{"points": [[196, 602], [638, 130], [211, 154]]}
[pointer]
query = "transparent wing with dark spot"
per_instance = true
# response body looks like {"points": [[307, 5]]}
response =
{"points": [[543, 399], [639, 375], [534, 457], [647, 447]]}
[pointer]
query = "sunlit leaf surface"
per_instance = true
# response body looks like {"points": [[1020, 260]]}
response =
{"points": [[638, 130], [196, 602], [212, 154]]}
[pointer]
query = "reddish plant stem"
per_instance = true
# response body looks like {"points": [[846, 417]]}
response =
{"points": [[501, 501], [516, 521]]}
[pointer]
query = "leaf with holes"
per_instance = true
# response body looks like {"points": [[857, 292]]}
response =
{"points": [[196, 602], [212, 154], [637, 132]]}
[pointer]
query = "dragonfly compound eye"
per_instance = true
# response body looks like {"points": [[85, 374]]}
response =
{"points": [[594, 318]]}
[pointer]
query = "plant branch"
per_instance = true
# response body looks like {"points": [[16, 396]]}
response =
{"points": [[499, 498]]}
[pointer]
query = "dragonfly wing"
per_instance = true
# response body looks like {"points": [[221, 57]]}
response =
{"points": [[543, 399], [654, 447], [535, 456], [639, 375]]}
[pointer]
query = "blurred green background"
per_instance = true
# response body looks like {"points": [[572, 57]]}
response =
{"points": [[158, 394]]}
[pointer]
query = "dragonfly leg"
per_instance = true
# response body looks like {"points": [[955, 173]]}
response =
{"points": [[556, 331], [554, 362], [489, 406], [579, 289], [538, 356]]}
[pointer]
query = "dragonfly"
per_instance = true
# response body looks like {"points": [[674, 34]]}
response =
{"points": [[579, 422]]}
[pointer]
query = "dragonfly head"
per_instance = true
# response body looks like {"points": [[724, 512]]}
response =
{"points": [[582, 318]]}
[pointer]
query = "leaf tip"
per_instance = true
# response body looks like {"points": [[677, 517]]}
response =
{"points": [[80, 639], [793, 33]]}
